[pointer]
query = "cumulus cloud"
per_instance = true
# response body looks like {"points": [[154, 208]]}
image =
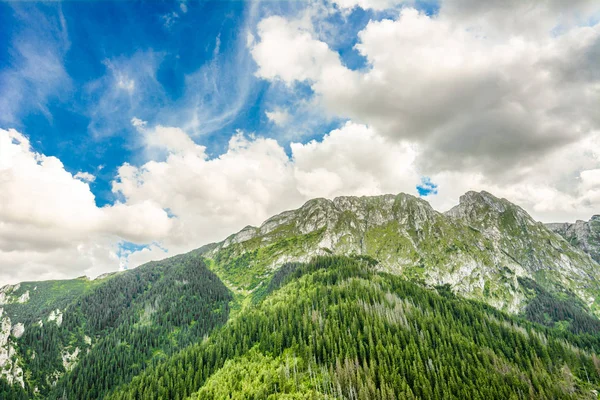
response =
{"points": [[491, 96], [353, 160], [255, 178], [520, 17], [287, 51], [472, 102], [548, 192], [210, 197], [50, 225]]}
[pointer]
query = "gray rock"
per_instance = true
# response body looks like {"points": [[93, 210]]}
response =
{"points": [[480, 247], [582, 234]]}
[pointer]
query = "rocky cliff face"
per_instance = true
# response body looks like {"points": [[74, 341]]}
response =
{"points": [[10, 368], [480, 247], [582, 234]]}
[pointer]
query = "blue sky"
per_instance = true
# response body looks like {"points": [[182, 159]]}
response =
{"points": [[81, 117], [83, 70], [130, 131]]}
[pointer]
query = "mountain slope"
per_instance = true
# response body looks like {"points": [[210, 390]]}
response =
{"points": [[481, 247], [34, 304], [337, 328], [115, 328], [581, 234]]}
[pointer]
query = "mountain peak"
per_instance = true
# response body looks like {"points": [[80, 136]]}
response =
{"points": [[474, 203], [484, 198], [477, 207]]}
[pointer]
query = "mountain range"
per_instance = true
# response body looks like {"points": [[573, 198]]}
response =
{"points": [[355, 297]]}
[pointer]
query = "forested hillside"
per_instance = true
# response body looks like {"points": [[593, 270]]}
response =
{"points": [[119, 328], [337, 328]]}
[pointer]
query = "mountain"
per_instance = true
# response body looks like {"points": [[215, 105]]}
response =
{"points": [[355, 297], [480, 248], [581, 234]]}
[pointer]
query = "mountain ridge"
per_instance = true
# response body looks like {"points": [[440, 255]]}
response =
{"points": [[482, 236]]}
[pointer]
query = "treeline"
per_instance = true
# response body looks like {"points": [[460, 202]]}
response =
{"points": [[343, 330]]}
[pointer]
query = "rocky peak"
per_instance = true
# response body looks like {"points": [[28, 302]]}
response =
{"points": [[484, 209], [472, 204], [582, 234], [349, 212], [483, 198], [480, 247]]}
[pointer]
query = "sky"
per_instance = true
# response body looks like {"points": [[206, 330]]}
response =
{"points": [[132, 131]]}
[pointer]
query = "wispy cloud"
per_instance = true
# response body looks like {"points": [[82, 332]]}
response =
{"points": [[170, 19], [128, 88], [35, 73], [218, 91]]}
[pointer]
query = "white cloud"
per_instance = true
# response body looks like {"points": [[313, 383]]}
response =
{"points": [[458, 97], [353, 160], [126, 84], [483, 106], [138, 123], [470, 101], [210, 197], [50, 225], [169, 139], [520, 17], [550, 193], [288, 52], [129, 87], [33, 72], [49, 221], [85, 176], [255, 179], [169, 19], [368, 4], [278, 117], [219, 90]]}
